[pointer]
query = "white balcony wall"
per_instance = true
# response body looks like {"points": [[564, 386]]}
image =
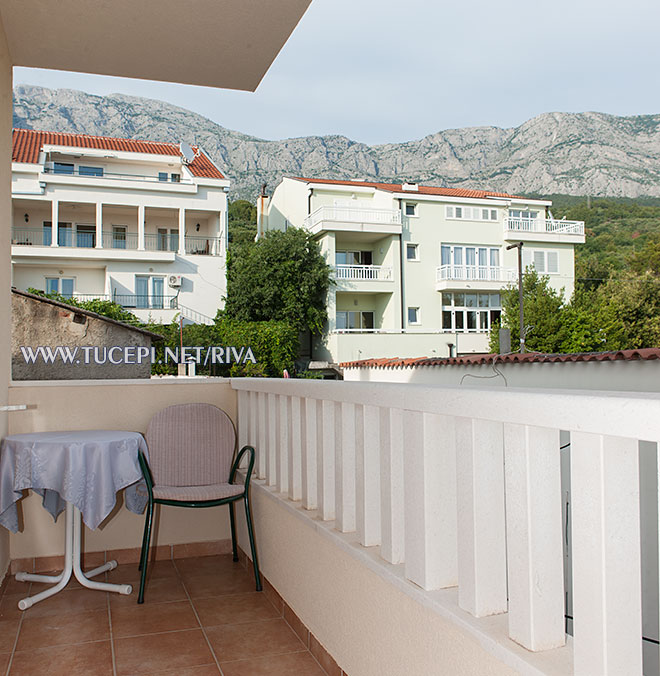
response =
{"points": [[500, 538]]}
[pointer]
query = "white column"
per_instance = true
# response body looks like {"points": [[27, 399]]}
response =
{"points": [[325, 445], [345, 433], [534, 537], [297, 444], [391, 485], [309, 456], [243, 414], [99, 225], [182, 231], [481, 517], [54, 220], [140, 226], [273, 438], [367, 475], [430, 500], [284, 449], [607, 612], [262, 429]]}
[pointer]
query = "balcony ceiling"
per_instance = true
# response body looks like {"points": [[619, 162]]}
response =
{"points": [[216, 43]]}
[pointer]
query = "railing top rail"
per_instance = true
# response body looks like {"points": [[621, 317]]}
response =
{"points": [[632, 414]]}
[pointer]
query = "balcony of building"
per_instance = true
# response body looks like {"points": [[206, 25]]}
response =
{"points": [[115, 231], [479, 277], [544, 230], [349, 219]]}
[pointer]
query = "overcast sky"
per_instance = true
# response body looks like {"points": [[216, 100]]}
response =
{"points": [[381, 71]]}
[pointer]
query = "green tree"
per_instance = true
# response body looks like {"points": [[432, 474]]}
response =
{"points": [[543, 310], [242, 218], [283, 277]]}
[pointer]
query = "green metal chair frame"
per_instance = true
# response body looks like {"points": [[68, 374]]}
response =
{"points": [[146, 538]]}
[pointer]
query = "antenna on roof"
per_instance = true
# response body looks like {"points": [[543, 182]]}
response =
{"points": [[187, 152]]}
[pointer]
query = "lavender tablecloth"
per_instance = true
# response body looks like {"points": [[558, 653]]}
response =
{"points": [[85, 468]]}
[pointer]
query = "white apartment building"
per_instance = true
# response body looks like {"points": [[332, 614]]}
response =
{"points": [[141, 223], [419, 269]]}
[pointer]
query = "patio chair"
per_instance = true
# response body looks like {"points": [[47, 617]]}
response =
{"points": [[191, 447]]}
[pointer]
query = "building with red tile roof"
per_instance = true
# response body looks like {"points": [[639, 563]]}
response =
{"points": [[142, 223]]}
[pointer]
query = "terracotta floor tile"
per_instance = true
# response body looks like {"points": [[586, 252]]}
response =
{"points": [[51, 630], [4, 661], [128, 573], [157, 652], [293, 664], [70, 660], [253, 639], [160, 590], [70, 601], [136, 619], [205, 670], [8, 630], [9, 606], [216, 584], [250, 607], [206, 564]]}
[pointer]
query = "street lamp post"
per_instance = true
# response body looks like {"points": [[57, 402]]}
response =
{"points": [[519, 246]]}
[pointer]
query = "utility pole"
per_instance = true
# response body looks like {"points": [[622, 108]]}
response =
{"points": [[519, 246]]}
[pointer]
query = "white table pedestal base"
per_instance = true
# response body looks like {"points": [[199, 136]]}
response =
{"points": [[72, 556]]}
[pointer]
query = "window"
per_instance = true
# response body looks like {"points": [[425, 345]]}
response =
{"points": [[460, 261], [414, 315], [61, 285], [90, 171], [118, 236], [62, 168], [355, 321], [470, 312], [86, 236], [471, 213], [162, 176], [544, 262], [523, 213], [176, 178], [149, 292], [168, 241], [353, 257], [412, 252], [411, 209]]}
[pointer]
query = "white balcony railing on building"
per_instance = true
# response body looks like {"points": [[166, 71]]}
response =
{"points": [[363, 272], [463, 487], [117, 240], [481, 273], [162, 178], [353, 215], [544, 225]]}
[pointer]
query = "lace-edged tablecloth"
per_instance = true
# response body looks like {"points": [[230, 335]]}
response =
{"points": [[85, 468]]}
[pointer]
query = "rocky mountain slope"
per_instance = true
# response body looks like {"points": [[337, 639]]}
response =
{"points": [[571, 153]]}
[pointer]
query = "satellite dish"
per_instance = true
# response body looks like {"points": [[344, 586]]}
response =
{"points": [[188, 153]]}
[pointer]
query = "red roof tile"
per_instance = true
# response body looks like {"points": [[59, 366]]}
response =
{"points": [[647, 353], [27, 144], [421, 189]]}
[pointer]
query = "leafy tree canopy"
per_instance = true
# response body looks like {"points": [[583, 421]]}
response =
{"points": [[242, 216], [283, 277]]}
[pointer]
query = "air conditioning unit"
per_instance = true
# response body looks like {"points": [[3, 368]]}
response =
{"points": [[174, 281]]}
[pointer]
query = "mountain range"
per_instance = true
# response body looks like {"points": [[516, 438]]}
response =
{"points": [[568, 153]]}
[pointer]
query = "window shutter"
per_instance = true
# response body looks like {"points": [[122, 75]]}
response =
{"points": [[553, 265], [527, 258], [539, 261]]}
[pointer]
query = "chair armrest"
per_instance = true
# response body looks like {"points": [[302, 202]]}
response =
{"points": [[146, 473], [237, 462]]}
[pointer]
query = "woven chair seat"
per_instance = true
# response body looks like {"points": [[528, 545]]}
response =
{"points": [[198, 493]]}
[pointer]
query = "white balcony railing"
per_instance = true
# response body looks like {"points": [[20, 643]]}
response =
{"points": [[363, 272], [463, 487], [481, 273], [353, 215], [544, 225]]}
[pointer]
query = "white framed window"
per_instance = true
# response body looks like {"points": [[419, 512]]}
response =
{"points": [[465, 261], [356, 321], [63, 168], [90, 171], [470, 213], [544, 262], [63, 285], [470, 312], [414, 316], [410, 209], [149, 291], [353, 257], [412, 252], [527, 214]]}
